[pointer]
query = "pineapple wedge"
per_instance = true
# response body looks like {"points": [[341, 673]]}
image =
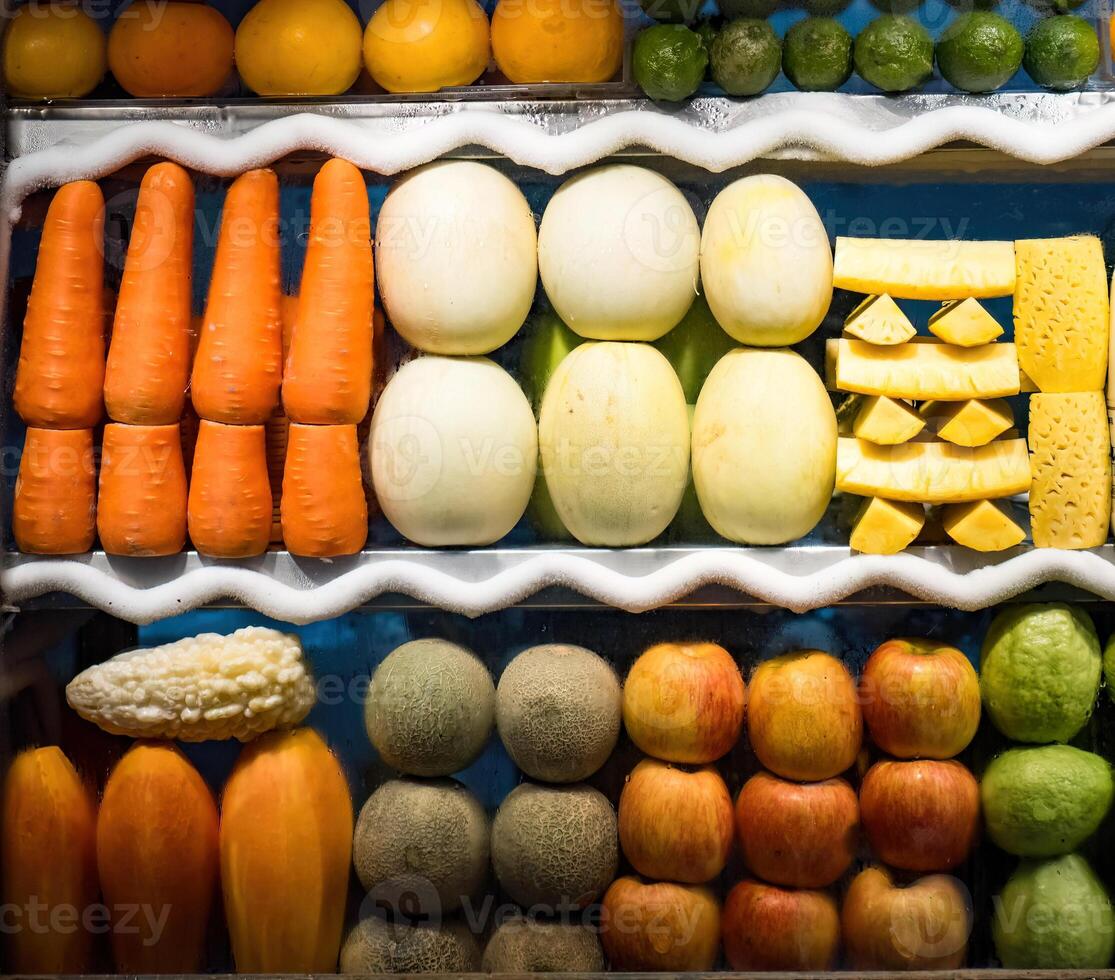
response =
{"points": [[982, 525], [886, 421], [886, 527], [1070, 447], [878, 320], [924, 269], [965, 323], [933, 472], [971, 423], [924, 371], [1061, 313]]}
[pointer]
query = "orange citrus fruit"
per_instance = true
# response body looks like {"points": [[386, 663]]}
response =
{"points": [[178, 50], [426, 45], [52, 51], [558, 40]]}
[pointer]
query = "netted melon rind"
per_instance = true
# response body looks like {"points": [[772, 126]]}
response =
{"points": [[376, 946], [524, 945]]}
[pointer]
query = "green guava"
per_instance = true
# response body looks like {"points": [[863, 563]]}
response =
{"points": [[1045, 801], [694, 346], [1040, 671], [1109, 667], [1054, 915]]}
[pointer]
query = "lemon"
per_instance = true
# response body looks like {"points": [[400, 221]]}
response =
{"points": [[299, 47], [53, 51], [426, 45]]}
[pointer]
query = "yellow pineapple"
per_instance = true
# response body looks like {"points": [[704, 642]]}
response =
{"points": [[886, 421], [924, 269], [982, 525], [886, 527], [974, 422], [964, 323], [878, 320]]}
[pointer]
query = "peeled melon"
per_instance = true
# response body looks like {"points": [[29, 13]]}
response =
{"points": [[614, 440], [558, 710], [766, 264], [764, 447], [422, 840], [378, 947], [619, 253], [430, 708], [555, 846], [456, 258], [453, 451], [524, 945]]}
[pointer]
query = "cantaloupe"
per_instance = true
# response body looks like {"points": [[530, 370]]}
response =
{"points": [[378, 947], [430, 708], [526, 945], [423, 841], [555, 846], [558, 711]]}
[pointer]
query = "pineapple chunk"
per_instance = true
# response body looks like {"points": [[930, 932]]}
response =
{"points": [[1070, 447], [982, 525], [886, 527], [965, 323], [887, 422], [971, 423], [1061, 313], [878, 320], [933, 472], [930, 370], [924, 269]]}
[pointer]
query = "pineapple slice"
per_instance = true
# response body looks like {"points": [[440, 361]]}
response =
{"points": [[982, 525], [965, 323], [1070, 447], [1061, 313], [924, 269], [878, 320], [886, 527], [971, 423], [929, 370], [887, 422], [933, 472]]}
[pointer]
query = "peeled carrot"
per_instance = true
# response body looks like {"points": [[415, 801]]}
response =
{"points": [[53, 512], [230, 495], [328, 376], [290, 315], [324, 513], [238, 367], [141, 507], [148, 359], [61, 367]]}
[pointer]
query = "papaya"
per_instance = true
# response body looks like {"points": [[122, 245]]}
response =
{"points": [[157, 850], [286, 848], [48, 868]]}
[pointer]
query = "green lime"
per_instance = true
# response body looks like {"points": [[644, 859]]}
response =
{"points": [[894, 53], [817, 54], [979, 52], [672, 11], [1062, 52], [746, 57], [670, 62], [758, 9]]}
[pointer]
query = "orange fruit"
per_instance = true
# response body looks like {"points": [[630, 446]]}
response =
{"points": [[558, 40], [170, 50], [426, 45], [52, 51]]}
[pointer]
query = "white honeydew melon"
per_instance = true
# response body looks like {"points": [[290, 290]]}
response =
{"points": [[619, 253], [453, 451], [456, 258], [614, 440], [766, 263], [764, 447]]}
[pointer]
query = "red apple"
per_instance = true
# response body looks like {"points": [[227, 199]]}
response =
{"points": [[920, 699], [684, 702], [769, 928], [920, 816], [675, 824], [802, 835], [660, 926], [922, 926], [804, 717]]}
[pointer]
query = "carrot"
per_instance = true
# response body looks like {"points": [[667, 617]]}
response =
{"points": [[238, 367], [324, 513], [141, 507], [230, 495], [62, 357], [53, 511], [289, 315], [328, 376], [148, 358]]}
